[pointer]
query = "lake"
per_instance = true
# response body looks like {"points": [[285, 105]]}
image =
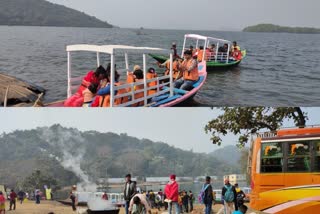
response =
{"points": [[280, 69]]}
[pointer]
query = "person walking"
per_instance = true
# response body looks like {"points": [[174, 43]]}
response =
{"points": [[228, 197], [185, 201], [21, 196], [13, 198], [129, 191], [208, 197], [191, 199], [37, 196], [172, 194], [73, 201]]}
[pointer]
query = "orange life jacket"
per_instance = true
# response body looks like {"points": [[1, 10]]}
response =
{"points": [[104, 101], [131, 79], [200, 55], [139, 94], [190, 75], [175, 70], [153, 83], [237, 55]]}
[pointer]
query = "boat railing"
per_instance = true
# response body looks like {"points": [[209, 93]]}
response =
{"points": [[220, 57], [75, 82], [130, 87]]}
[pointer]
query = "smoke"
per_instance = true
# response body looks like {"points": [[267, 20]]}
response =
{"points": [[70, 149], [96, 203]]}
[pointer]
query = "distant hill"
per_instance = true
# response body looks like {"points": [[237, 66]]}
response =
{"points": [[44, 13], [228, 154], [69, 154], [280, 29]]}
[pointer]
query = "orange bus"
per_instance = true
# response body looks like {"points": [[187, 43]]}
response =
{"points": [[285, 171]]}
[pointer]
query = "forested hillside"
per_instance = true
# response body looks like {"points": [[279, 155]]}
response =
{"points": [[44, 13], [67, 153]]}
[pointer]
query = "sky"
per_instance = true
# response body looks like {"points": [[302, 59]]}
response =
{"points": [[200, 14], [179, 127]]}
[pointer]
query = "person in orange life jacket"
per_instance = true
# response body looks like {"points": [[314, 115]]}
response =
{"points": [[235, 45], [88, 94], [175, 67], [236, 54], [151, 75], [189, 67], [95, 77], [138, 77], [172, 194], [200, 54]]}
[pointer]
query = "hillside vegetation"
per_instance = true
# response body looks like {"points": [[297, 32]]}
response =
{"points": [[68, 154], [280, 29], [44, 13]]}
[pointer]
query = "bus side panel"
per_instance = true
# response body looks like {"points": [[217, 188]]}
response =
{"points": [[316, 178], [298, 179]]}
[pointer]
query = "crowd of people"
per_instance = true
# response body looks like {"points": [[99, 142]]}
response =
{"points": [[171, 198], [138, 202], [20, 197]]}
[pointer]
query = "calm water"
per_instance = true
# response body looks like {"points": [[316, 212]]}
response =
{"points": [[280, 69]]}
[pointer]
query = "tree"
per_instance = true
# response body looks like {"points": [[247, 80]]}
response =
{"points": [[37, 180], [244, 121]]}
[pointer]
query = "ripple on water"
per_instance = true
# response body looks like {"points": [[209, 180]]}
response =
{"points": [[280, 69]]}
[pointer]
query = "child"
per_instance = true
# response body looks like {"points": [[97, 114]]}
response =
{"points": [[88, 94]]}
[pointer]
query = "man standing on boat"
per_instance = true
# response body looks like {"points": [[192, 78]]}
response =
{"points": [[174, 49], [189, 67], [129, 191]]}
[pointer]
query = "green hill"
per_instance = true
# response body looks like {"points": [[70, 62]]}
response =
{"points": [[228, 154], [280, 29], [44, 13], [69, 154]]}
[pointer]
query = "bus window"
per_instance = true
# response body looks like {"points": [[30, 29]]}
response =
{"points": [[271, 157], [317, 156], [298, 157]]}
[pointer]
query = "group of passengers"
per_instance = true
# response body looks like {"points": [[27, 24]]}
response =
{"points": [[95, 87], [210, 52]]}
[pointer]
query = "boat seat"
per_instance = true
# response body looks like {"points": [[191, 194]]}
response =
{"points": [[177, 90], [183, 92], [159, 98], [169, 99], [196, 84]]}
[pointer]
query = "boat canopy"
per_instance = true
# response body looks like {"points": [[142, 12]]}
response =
{"points": [[200, 37], [207, 41], [111, 49]]}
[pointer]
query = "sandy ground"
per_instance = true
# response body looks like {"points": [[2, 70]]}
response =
{"points": [[45, 207]]}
